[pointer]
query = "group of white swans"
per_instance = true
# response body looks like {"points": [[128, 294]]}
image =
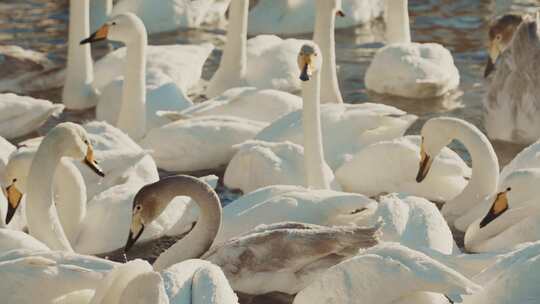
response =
{"points": [[338, 205]]}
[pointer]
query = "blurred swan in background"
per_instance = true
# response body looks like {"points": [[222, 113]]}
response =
{"points": [[511, 106], [419, 70]]}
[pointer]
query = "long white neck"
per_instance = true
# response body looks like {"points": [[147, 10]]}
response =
{"points": [[41, 213], [99, 13], [199, 240], [233, 66], [313, 143], [485, 170], [132, 116], [324, 37], [78, 93], [397, 22], [70, 198]]}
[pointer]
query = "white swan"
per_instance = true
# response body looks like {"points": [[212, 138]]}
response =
{"points": [[48, 275], [439, 132], [390, 166], [512, 217], [20, 115], [297, 17], [419, 70], [262, 62], [511, 106], [244, 259], [413, 276], [130, 110], [170, 69]]}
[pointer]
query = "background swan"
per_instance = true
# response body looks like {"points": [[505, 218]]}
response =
{"points": [[322, 246], [510, 106], [419, 70], [20, 115], [414, 277], [263, 62], [296, 17]]}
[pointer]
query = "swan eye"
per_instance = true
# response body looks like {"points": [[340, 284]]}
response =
{"points": [[138, 208], [86, 142]]}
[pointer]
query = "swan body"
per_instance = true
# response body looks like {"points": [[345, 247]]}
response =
{"points": [[297, 17], [419, 70], [345, 128], [199, 143], [17, 240], [392, 165], [271, 59], [415, 277], [21, 115], [258, 164], [510, 106], [244, 102], [47, 275], [321, 245]]}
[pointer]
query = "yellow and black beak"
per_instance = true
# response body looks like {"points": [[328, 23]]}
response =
{"points": [[100, 34], [494, 53], [305, 64], [340, 13], [92, 163], [14, 197], [425, 165], [500, 205], [133, 237]]}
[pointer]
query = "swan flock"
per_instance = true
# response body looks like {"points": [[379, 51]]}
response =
{"points": [[241, 170]]}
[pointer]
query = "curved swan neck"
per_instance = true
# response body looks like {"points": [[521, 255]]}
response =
{"points": [[397, 22], [485, 168], [313, 143], [132, 116], [43, 222], [70, 198], [80, 71], [199, 240], [324, 37]]}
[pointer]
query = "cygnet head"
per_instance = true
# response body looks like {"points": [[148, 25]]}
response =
{"points": [[309, 61], [501, 31], [331, 5], [126, 28]]}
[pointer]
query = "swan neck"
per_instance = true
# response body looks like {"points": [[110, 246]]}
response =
{"points": [[234, 59], [485, 167], [79, 71], [43, 222], [313, 144], [201, 237], [324, 37], [132, 116], [397, 22]]}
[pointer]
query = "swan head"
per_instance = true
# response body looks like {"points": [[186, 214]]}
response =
{"points": [[75, 143], [436, 135], [17, 170], [309, 61], [124, 28], [501, 31], [331, 5]]}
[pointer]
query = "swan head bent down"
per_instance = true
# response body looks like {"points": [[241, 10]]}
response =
{"points": [[309, 61], [123, 27], [501, 31], [435, 136], [75, 144]]}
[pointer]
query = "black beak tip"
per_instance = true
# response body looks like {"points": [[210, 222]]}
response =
{"points": [[304, 77], [490, 67], [85, 41], [10, 213], [420, 177]]}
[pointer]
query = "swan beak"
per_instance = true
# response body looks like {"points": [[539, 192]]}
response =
{"points": [[135, 233], [340, 13], [14, 197], [100, 34], [490, 67], [92, 163], [425, 165], [499, 207], [493, 55], [305, 63]]}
